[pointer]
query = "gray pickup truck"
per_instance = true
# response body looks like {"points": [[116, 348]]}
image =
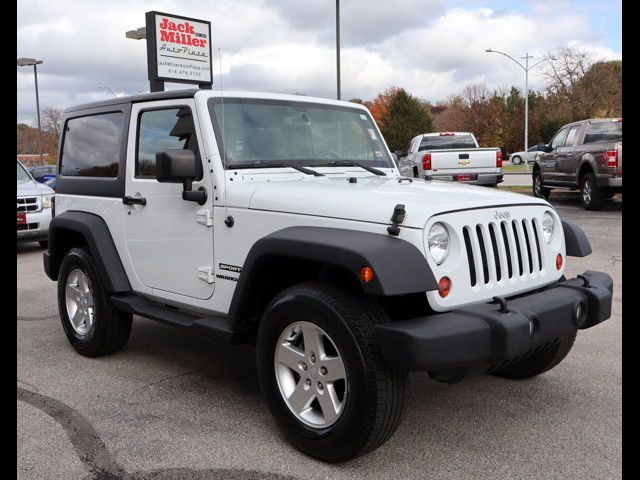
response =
{"points": [[584, 155]]}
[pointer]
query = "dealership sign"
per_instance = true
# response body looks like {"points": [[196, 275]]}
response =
{"points": [[178, 50]]}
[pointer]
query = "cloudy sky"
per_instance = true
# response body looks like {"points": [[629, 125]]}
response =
{"points": [[433, 48]]}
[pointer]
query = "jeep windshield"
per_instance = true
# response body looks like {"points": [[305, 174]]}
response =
{"points": [[261, 133]]}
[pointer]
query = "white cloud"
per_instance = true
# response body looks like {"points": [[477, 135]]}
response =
{"points": [[287, 46]]}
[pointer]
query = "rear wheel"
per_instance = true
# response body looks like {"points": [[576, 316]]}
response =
{"points": [[516, 160], [323, 375], [90, 322], [590, 194], [541, 362], [538, 190]]}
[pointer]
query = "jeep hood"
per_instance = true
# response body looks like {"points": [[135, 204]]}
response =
{"points": [[371, 199]]}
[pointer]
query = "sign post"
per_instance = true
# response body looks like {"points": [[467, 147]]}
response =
{"points": [[178, 50]]}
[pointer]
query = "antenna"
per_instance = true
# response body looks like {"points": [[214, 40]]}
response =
{"points": [[224, 139]]}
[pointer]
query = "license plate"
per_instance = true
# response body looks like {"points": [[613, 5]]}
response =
{"points": [[22, 218], [464, 178]]}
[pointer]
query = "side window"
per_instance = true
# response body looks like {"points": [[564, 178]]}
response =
{"points": [[166, 129], [572, 136], [558, 140], [91, 145]]}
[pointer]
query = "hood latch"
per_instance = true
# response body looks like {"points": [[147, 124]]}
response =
{"points": [[397, 218]]}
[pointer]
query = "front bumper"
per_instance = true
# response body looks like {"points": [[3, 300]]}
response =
{"points": [[36, 228], [476, 179], [482, 335]]}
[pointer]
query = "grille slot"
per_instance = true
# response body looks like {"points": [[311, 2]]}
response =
{"points": [[472, 266], [504, 250], [27, 204], [27, 226]]}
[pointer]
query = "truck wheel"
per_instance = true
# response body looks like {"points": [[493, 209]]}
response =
{"points": [[323, 375], [590, 194], [539, 363], [538, 190], [90, 322]]}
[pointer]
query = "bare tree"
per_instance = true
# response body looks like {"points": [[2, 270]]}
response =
{"points": [[51, 118], [566, 66]]}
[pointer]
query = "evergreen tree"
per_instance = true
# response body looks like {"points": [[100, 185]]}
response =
{"points": [[405, 118]]}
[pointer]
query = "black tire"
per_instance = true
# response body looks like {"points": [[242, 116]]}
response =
{"points": [[590, 194], [44, 243], [538, 190], [111, 327], [375, 402], [540, 362], [517, 160]]}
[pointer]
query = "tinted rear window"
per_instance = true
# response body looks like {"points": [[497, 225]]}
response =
{"points": [[603, 132], [441, 142], [91, 145]]}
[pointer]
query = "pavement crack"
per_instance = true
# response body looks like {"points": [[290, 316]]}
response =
{"points": [[172, 377]]}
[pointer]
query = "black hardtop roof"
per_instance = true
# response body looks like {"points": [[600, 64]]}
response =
{"points": [[143, 97]]}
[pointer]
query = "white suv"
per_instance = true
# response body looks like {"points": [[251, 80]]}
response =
{"points": [[282, 221], [34, 205]]}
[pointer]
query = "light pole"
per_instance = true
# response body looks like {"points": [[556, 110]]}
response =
{"points": [[526, 69], [338, 46], [27, 62]]}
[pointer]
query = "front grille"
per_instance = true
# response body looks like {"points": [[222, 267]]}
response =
{"points": [[27, 226], [28, 204], [502, 250]]}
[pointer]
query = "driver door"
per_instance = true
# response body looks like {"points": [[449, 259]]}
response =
{"points": [[549, 160], [169, 240]]}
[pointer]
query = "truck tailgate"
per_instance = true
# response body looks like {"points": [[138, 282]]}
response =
{"points": [[477, 160]]}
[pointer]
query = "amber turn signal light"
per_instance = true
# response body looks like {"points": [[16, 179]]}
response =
{"points": [[444, 286], [366, 274], [558, 261]]}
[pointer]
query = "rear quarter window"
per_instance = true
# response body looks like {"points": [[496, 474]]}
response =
{"points": [[91, 145]]}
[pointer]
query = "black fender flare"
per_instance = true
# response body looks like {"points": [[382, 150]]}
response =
{"points": [[95, 232], [398, 266], [576, 241]]}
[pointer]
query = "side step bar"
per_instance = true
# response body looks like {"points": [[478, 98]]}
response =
{"points": [[214, 327]]}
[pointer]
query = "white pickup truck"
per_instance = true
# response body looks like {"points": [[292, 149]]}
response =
{"points": [[451, 156]]}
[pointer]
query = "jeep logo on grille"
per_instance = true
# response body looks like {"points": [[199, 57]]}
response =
{"points": [[498, 215]]}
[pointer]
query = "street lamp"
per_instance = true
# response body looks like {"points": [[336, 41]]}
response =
{"points": [[27, 62], [526, 69], [338, 47]]}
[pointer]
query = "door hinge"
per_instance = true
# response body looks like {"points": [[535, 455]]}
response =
{"points": [[204, 217], [206, 274]]}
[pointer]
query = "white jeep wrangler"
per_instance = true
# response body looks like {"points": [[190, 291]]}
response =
{"points": [[282, 221]]}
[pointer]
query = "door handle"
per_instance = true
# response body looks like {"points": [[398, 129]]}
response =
{"points": [[134, 201]]}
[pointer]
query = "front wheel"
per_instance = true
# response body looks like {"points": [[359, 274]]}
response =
{"points": [[323, 375], [516, 160]]}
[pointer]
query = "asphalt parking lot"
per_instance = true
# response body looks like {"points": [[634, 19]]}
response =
{"points": [[173, 405]]}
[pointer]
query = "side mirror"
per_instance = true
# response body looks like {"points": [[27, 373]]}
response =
{"points": [[399, 153], [547, 148], [180, 166]]}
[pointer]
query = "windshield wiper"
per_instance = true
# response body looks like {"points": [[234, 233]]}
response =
{"points": [[348, 163], [267, 164]]}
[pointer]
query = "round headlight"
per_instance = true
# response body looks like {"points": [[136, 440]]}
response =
{"points": [[438, 242], [547, 226]]}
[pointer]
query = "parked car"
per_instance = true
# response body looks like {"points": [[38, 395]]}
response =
{"points": [[34, 203], [453, 157], [292, 230], [584, 155], [42, 173], [518, 158], [51, 183]]}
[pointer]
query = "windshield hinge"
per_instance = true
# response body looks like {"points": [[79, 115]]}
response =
{"points": [[204, 217], [397, 218], [206, 274]]}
